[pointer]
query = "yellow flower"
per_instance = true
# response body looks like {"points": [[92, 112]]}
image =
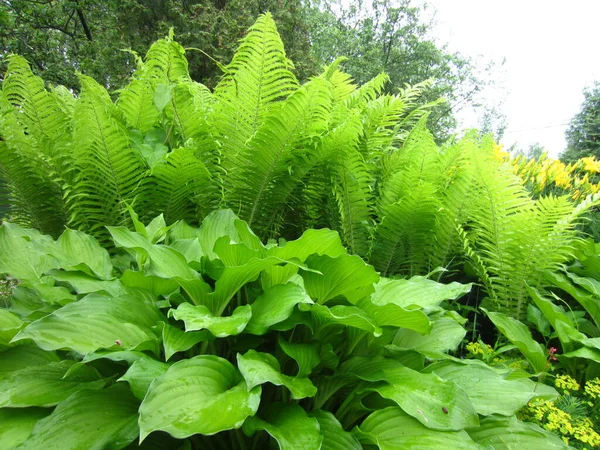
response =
{"points": [[566, 382], [591, 165], [592, 388]]}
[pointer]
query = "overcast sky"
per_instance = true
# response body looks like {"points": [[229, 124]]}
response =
{"points": [[552, 52]]}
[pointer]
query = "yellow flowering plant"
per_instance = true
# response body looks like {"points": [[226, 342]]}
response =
{"points": [[574, 416]]}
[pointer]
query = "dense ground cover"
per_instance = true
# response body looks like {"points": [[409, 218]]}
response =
{"points": [[237, 313]]}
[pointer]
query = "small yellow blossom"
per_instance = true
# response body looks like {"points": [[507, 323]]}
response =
{"points": [[592, 388], [475, 349], [566, 383], [591, 165]]}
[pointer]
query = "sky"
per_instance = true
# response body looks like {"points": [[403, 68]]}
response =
{"points": [[551, 54]]}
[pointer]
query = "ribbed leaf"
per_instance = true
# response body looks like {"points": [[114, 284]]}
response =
{"points": [[46, 385], [446, 334], [142, 373], [490, 391], [391, 429], [259, 368], [16, 425], [200, 318], [202, 395], [288, 425], [107, 418], [334, 436], [23, 356]]}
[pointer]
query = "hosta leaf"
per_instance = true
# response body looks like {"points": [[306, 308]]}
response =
{"points": [[392, 429], [163, 261], [587, 297], [205, 395], [584, 352], [225, 223], [97, 322], [191, 251], [416, 291], [46, 385], [79, 251], [289, 425], [83, 283], [334, 436], [491, 392], [562, 324], [519, 335], [142, 373], [176, 340], [156, 285], [89, 420], [343, 275], [275, 305], [446, 334], [10, 325], [259, 368], [274, 275], [507, 433], [19, 256], [307, 356], [320, 242], [434, 402], [351, 316], [22, 356], [200, 318], [392, 315], [16, 425]]}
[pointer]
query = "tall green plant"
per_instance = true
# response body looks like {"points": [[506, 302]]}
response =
{"points": [[206, 338]]}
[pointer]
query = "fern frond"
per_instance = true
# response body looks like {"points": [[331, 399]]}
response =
{"points": [[34, 196], [279, 155], [189, 109], [404, 232], [40, 114], [258, 77], [136, 100], [108, 168], [166, 61], [173, 186]]}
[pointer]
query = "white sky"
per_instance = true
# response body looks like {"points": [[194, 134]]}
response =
{"points": [[552, 52]]}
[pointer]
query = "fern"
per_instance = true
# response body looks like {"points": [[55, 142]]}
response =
{"points": [[174, 185], [258, 77], [108, 168]]}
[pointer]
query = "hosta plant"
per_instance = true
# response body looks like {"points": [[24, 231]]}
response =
{"points": [[206, 338]]}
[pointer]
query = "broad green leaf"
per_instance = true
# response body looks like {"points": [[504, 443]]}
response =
{"points": [[307, 356], [200, 318], [289, 425], [234, 254], [176, 340], [535, 316], [224, 223], [16, 425], [519, 335], [89, 420], [275, 305], [588, 297], [393, 429], [490, 391], [83, 283], [96, 322], [259, 368], [142, 373], [156, 285], [163, 94], [351, 316], [163, 261], [445, 334], [392, 315], [19, 256], [334, 436], [205, 395], [157, 229], [191, 251], [417, 291], [274, 275], [562, 324], [320, 242], [508, 433], [46, 385], [79, 251], [22, 356], [10, 325], [343, 275], [436, 403], [584, 352], [181, 230]]}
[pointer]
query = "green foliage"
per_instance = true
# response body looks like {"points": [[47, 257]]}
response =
{"points": [[207, 338], [286, 158], [583, 134]]}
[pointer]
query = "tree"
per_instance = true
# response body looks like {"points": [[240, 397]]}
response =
{"points": [[583, 134], [59, 35], [391, 36]]}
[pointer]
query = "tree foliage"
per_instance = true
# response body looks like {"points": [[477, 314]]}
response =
{"points": [[583, 134]]}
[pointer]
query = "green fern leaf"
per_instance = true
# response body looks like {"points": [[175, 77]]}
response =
{"points": [[108, 168]]}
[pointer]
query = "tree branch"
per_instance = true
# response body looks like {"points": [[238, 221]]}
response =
{"points": [[84, 24]]}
